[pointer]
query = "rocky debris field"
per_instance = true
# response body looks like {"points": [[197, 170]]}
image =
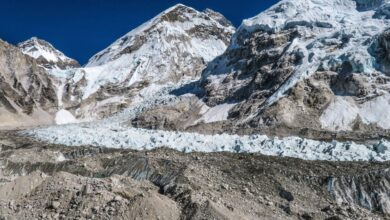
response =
{"points": [[45, 181]]}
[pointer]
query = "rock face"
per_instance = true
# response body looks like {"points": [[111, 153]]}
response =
{"points": [[46, 55], [319, 66], [369, 190], [27, 94], [172, 48]]}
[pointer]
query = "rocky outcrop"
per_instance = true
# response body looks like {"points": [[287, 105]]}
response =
{"points": [[27, 94], [260, 66], [368, 190], [180, 116]]}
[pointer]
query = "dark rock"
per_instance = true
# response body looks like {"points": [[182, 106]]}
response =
{"points": [[286, 195], [334, 218], [306, 216]]}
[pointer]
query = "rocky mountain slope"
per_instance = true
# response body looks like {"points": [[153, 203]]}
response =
{"points": [[307, 64], [172, 48], [314, 68], [27, 94]]}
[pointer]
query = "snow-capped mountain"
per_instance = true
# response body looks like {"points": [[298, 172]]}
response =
{"points": [[307, 64], [27, 94], [58, 67], [200, 34], [307, 79], [46, 55], [258, 85], [171, 48]]}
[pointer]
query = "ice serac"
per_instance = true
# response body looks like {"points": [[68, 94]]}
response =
{"points": [[27, 94], [321, 65], [46, 55], [172, 48]]}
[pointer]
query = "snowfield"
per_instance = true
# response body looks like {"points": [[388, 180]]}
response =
{"points": [[375, 111], [64, 117]]}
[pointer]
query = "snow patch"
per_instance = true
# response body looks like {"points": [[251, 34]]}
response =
{"points": [[216, 113], [340, 115], [343, 112], [377, 111], [60, 157], [64, 117]]}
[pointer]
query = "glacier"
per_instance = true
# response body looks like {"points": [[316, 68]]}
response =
{"points": [[114, 132], [141, 139]]}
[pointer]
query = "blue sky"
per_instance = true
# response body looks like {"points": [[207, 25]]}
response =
{"points": [[81, 28]]}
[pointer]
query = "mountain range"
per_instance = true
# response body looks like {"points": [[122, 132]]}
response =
{"points": [[307, 79], [317, 69], [171, 48], [295, 69]]}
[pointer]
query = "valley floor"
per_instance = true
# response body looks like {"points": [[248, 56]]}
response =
{"points": [[46, 181]]}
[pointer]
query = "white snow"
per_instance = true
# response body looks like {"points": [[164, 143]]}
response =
{"points": [[166, 29], [64, 117], [343, 111], [340, 115], [209, 48], [216, 113], [377, 111], [36, 48], [60, 157]]}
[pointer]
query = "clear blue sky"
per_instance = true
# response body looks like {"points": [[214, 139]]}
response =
{"points": [[81, 28]]}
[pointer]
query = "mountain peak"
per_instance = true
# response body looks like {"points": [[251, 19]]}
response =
{"points": [[177, 13], [287, 13], [179, 20], [33, 39], [46, 54], [169, 49], [36, 42], [178, 6]]}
